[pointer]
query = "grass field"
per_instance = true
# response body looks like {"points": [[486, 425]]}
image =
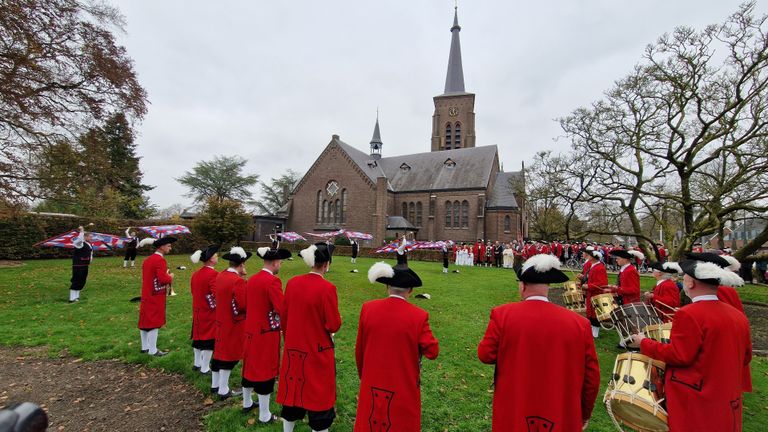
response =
{"points": [[456, 388]]}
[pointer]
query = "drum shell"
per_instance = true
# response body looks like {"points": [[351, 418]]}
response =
{"points": [[659, 332], [635, 392], [603, 304]]}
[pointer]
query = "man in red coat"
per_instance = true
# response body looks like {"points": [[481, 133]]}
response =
{"points": [[230, 321], [392, 337], [155, 280], [627, 287], [263, 305], [536, 335], [592, 283], [203, 285], [310, 318], [665, 297], [709, 348]]}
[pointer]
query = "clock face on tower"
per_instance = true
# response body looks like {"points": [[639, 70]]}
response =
{"points": [[453, 111]]}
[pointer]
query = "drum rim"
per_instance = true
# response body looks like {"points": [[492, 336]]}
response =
{"points": [[622, 396], [643, 358]]}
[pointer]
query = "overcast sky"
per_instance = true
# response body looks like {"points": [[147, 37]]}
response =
{"points": [[271, 81]]}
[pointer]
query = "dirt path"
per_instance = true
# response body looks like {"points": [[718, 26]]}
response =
{"points": [[100, 395]]}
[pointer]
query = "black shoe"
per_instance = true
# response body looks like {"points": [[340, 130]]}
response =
{"points": [[195, 368], [225, 396], [160, 353], [144, 351], [250, 408], [271, 420], [214, 390], [208, 372], [74, 301]]}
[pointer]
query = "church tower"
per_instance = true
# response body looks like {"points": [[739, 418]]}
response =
{"points": [[453, 123], [376, 143]]}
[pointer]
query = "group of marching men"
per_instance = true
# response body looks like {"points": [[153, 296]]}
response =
{"points": [[234, 319]]}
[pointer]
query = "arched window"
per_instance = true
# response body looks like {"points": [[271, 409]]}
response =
{"points": [[465, 214], [448, 136], [448, 214], [337, 212], [456, 214], [331, 212], [457, 135], [411, 213], [418, 214], [507, 224], [319, 210], [325, 211], [343, 206], [405, 211]]}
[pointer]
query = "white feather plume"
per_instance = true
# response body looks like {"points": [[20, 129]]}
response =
{"points": [[672, 266], [380, 269], [146, 241], [195, 257], [262, 251], [733, 264], [706, 270], [237, 250], [308, 255], [541, 263], [637, 254], [589, 248], [731, 279]]}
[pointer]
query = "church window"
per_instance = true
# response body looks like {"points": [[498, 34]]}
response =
{"points": [[457, 135], [411, 213], [325, 211], [343, 206], [332, 188], [337, 212], [448, 214], [507, 224], [448, 136], [432, 206], [418, 214], [405, 167], [331, 212], [465, 214], [319, 211], [405, 211], [456, 214], [449, 163]]}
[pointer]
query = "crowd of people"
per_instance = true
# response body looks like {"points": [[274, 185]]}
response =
{"points": [[236, 319]]}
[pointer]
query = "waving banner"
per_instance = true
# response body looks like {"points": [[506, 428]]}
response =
{"points": [[100, 242], [158, 231]]}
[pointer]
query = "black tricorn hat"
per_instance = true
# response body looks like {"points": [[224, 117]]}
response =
{"points": [[544, 269], [162, 241], [205, 254], [667, 267], [708, 257], [621, 253], [237, 255], [710, 273], [399, 276], [268, 254]]}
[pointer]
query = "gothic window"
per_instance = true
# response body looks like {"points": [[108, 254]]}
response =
{"points": [[507, 224], [411, 213], [325, 211], [448, 214], [331, 212], [432, 206], [405, 211], [465, 214], [319, 210], [337, 212], [343, 206], [418, 214], [448, 136], [456, 214], [457, 135]]}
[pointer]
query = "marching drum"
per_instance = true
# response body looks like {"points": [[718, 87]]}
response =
{"points": [[604, 304], [574, 300], [635, 394], [571, 286], [632, 318], [659, 332]]}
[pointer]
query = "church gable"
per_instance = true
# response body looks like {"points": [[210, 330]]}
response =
{"points": [[335, 158]]}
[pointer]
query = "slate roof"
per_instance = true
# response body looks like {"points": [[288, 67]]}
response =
{"points": [[501, 195], [429, 171]]}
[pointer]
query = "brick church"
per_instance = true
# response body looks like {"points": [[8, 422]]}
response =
{"points": [[455, 191]]}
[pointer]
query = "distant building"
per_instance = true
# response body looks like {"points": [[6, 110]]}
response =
{"points": [[456, 191]]}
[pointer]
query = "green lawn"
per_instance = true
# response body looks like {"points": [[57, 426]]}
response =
{"points": [[456, 388]]}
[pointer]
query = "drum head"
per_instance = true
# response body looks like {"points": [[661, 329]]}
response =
{"points": [[638, 413]]}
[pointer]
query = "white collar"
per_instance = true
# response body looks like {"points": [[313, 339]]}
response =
{"points": [[158, 253], [210, 267], [267, 271], [660, 281], [624, 267], [397, 296], [316, 273], [706, 297], [230, 269], [539, 298]]}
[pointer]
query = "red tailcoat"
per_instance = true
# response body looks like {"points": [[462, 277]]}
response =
{"points": [[229, 327], [203, 284], [391, 338], [264, 305], [154, 282], [481, 258], [629, 285], [596, 280], [558, 250], [475, 252], [547, 374], [708, 350], [310, 317], [729, 295], [666, 297], [545, 249]]}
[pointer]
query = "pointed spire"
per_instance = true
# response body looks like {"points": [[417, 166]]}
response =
{"points": [[376, 143], [454, 79]]}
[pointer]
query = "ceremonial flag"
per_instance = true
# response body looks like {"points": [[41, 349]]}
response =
{"points": [[325, 235], [158, 231], [100, 242], [357, 235], [290, 236]]}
